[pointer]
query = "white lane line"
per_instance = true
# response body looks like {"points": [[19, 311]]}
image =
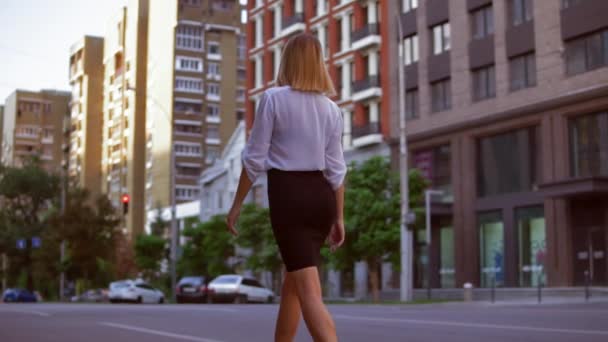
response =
{"points": [[157, 332], [476, 325], [32, 312]]}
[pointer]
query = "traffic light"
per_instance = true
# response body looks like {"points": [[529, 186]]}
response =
{"points": [[125, 203]]}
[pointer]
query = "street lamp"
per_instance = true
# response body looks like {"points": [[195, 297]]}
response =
{"points": [[427, 202], [406, 217]]}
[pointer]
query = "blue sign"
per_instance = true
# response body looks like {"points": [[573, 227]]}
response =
{"points": [[21, 244], [36, 242]]}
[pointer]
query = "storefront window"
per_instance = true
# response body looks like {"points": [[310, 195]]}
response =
{"points": [[491, 252], [435, 165], [446, 270], [589, 145], [532, 245], [508, 162], [420, 259]]}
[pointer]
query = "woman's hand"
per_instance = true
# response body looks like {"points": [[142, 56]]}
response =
{"points": [[231, 219], [336, 235]]}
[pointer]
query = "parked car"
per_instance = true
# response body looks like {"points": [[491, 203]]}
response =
{"points": [[134, 291], [92, 296], [192, 290], [19, 296], [238, 289]]}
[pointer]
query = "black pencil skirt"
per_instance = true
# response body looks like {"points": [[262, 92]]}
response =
{"points": [[302, 212]]}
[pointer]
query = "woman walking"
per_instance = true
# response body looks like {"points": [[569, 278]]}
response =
{"points": [[296, 139]]}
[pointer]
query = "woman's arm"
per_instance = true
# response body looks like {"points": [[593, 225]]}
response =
{"points": [[241, 192], [337, 233]]}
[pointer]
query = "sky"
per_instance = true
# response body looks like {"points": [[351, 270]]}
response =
{"points": [[36, 35]]}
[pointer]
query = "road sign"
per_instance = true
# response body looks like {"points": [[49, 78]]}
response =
{"points": [[36, 242], [21, 244]]}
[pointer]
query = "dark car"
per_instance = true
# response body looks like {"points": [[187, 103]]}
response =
{"points": [[19, 296], [192, 290]]}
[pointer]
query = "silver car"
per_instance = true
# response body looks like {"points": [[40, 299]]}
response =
{"points": [[238, 289], [134, 292]]}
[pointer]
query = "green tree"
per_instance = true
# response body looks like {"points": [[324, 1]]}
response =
{"points": [[149, 252], [90, 230], [208, 249], [372, 217], [255, 232], [158, 227], [27, 194]]}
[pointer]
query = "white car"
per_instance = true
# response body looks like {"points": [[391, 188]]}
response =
{"points": [[238, 289], [134, 292]]}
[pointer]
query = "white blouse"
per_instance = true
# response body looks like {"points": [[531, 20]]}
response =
{"points": [[296, 131]]}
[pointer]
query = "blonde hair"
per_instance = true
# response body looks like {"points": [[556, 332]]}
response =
{"points": [[302, 66]]}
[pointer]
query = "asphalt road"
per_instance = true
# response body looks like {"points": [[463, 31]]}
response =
{"points": [[356, 323]]}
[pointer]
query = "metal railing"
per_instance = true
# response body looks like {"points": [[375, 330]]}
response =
{"points": [[370, 128], [294, 19], [366, 83], [365, 31]]}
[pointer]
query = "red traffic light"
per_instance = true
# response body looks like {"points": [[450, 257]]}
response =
{"points": [[125, 198]]}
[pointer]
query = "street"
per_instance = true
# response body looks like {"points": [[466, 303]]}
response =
{"points": [[356, 323]]}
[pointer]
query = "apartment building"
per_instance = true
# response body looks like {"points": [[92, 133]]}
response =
{"points": [[86, 114], [33, 125], [196, 92], [508, 116], [358, 49], [123, 139]]}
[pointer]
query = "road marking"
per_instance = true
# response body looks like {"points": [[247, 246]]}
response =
{"points": [[157, 332], [476, 325], [32, 312]]}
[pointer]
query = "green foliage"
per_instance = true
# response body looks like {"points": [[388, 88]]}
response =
{"points": [[149, 252], [255, 232], [372, 213], [158, 226], [208, 248]]}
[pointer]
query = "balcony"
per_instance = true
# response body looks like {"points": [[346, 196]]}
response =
{"points": [[366, 88], [293, 24], [366, 36], [367, 134]]}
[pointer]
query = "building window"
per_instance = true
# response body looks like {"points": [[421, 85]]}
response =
{"points": [[188, 84], [409, 5], [186, 193], [411, 104], [188, 64], [441, 95], [187, 107], [189, 37], [589, 145], [240, 95], [491, 248], [532, 245], [223, 5], [508, 162], [213, 110], [191, 2], [482, 22], [520, 11], [213, 89], [241, 48], [441, 38], [213, 48], [436, 166], [188, 129], [571, 3], [587, 53], [188, 149], [484, 83], [213, 69], [522, 72], [213, 132], [241, 74], [410, 47], [213, 153]]}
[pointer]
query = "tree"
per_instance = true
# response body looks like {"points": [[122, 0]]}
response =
{"points": [[149, 252], [27, 194], [255, 232], [158, 227], [372, 217], [90, 229], [208, 249]]}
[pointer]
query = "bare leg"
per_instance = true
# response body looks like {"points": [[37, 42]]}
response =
{"points": [[289, 312], [318, 320]]}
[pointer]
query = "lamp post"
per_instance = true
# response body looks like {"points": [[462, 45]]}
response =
{"points": [[406, 217], [427, 202]]}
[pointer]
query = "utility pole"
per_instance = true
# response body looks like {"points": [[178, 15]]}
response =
{"points": [[406, 234]]}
